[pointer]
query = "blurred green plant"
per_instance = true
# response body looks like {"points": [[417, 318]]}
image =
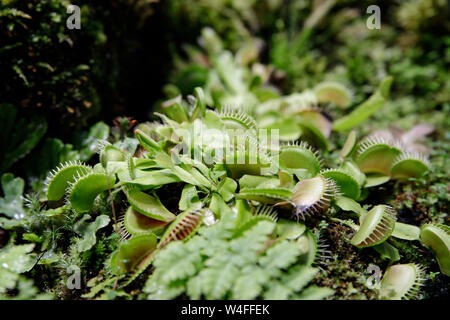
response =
{"points": [[19, 135]]}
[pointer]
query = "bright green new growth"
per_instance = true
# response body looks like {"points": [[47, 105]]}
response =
{"points": [[401, 281], [60, 179]]}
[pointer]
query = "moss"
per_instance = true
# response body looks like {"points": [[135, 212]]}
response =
{"points": [[345, 271]]}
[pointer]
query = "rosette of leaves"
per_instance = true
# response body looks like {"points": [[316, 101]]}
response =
{"points": [[212, 184]]}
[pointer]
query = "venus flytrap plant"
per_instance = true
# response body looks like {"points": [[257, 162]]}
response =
{"points": [[134, 223], [60, 178], [85, 189], [437, 238], [299, 115], [376, 226], [402, 281], [223, 167], [313, 196], [367, 108], [374, 161], [335, 92], [300, 159], [183, 227], [409, 165], [374, 157], [348, 186]]}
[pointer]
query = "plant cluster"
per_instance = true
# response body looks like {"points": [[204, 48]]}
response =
{"points": [[237, 190], [232, 177]]}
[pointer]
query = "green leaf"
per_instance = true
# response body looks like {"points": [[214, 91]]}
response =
{"points": [[85, 190], [367, 108], [149, 205], [216, 282], [194, 288], [87, 231], [280, 256], [375, 179], [289, 229], [315, 293], [62, 178], [12, 204], [387, 251], [277, 291], [348, 204], [176, 262], [13, 261], [153, 179], [227, 188], [250, 285], [299, 277], [406, 231]]}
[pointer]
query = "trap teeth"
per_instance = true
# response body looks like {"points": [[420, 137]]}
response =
{"points": [[313, 196], [342, 182], [267, 212], [376, 226], [300, 159], [376, 155], [437, 238], [409, 165], [237, 118], [331, 91], [183, 227], [402, 281], [63, 177]]}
